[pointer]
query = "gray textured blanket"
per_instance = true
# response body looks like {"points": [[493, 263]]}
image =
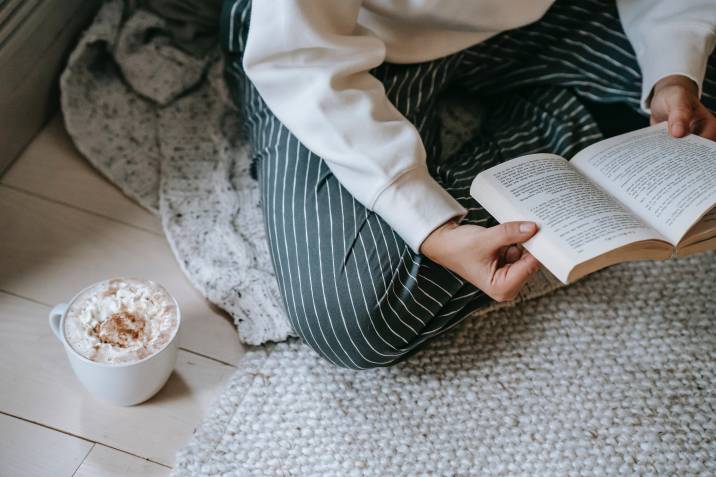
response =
{"points": [[144, 100]]}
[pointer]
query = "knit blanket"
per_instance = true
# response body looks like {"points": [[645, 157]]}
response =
{"points": [[144, 100]]}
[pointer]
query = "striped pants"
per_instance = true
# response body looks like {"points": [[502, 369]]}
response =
{"points": [[352, 289]]}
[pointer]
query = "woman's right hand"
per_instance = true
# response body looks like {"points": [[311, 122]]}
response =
{"points": [[489, 258]]}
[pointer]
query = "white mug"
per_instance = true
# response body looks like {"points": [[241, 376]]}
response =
{"points": [[124, 384]]}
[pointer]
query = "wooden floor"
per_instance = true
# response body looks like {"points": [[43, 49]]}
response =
{"points": [[62, 227]]}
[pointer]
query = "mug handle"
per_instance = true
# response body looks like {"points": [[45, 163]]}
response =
{"points": [[55, 317]]}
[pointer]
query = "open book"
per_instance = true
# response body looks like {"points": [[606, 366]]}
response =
{"points": [[642, 195]]}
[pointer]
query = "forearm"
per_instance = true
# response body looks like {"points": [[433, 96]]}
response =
{"points": [[670, 38], [314, 76]]}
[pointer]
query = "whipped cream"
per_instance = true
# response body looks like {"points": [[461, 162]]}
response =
{"points": [[121, 321]]}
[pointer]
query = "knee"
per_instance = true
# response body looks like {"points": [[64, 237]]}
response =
{"points": [[346, 340]]}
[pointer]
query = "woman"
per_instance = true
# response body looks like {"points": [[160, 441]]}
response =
{"points": [[377, 246]]}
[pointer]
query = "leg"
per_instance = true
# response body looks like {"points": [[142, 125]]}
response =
{"points": [[577, 46], [352, 289]]}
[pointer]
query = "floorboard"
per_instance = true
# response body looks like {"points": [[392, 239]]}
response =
{"points": [[64, 226], [29, 450], [39, 386], [105, 462], [51, 167], [50, 251]]}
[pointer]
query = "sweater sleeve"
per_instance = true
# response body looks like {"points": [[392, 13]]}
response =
{"points": [[310, 61], [670, 37]]}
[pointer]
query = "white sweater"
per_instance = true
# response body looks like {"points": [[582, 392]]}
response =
{"points": [[310, 61]]}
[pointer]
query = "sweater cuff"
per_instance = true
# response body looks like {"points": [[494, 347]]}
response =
{"points": [[414, 205], [684, 53]]}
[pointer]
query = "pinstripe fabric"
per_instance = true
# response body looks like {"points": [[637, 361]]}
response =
{"points": [[353, 291]]}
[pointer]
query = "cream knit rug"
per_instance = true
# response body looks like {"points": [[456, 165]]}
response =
{"points": [[615, 375]]}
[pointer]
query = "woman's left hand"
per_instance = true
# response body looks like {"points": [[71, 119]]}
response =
{"points": [[676, 100]]}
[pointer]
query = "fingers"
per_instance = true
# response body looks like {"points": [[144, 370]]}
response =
{"points": [[681, 112], [510, 233], [512, 254], [509, 279], [709, 130], [705, 123], [676, 99], [509, 254]]}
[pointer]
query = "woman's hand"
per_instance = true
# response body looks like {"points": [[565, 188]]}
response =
{"points": [[676, 99], [486, 257]]}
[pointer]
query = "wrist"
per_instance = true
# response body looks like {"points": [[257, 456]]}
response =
{"points": [[680, 81], [433, 243]]}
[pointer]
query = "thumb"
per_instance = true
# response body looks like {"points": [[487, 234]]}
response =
{"points": [[680, 115], [510, 232]]}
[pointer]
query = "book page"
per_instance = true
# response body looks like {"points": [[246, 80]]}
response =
{"points": [[577, 219], [704, 229], [668, 182], [707, 222]]}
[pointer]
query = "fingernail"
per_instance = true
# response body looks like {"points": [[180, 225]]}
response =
{"points": [[527, 227], [678, 129]]}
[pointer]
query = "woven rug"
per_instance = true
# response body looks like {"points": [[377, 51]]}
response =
{"points": [[615, 375]]}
